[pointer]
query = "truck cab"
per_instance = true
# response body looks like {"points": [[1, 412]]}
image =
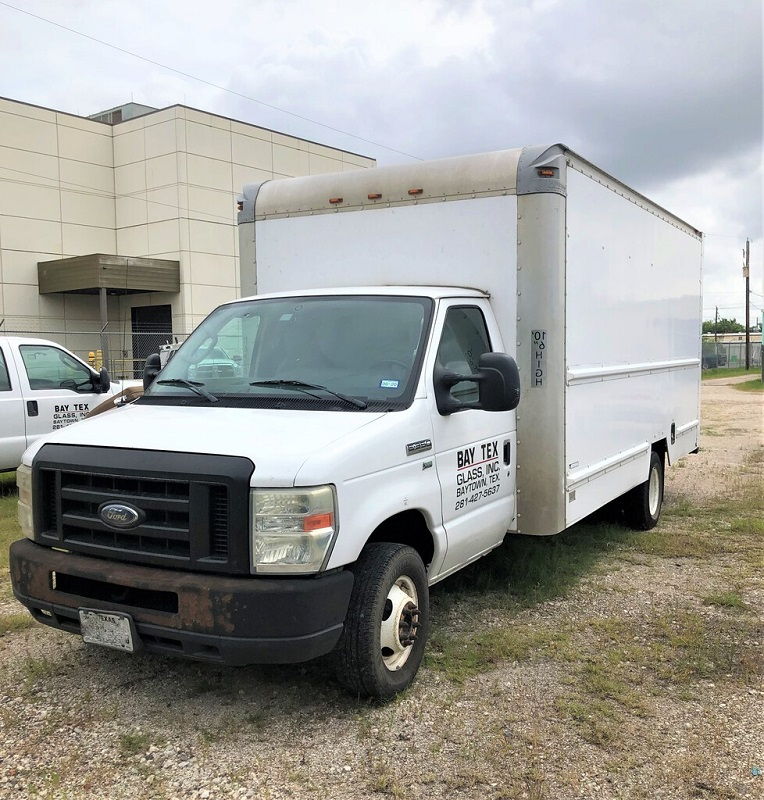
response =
{"points": [[365, 425], [43, 387]]}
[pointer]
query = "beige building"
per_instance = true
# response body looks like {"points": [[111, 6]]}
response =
{"points": [[154, 188]]}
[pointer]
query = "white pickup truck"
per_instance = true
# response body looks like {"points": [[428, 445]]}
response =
{"points": [[314, 457], [43, 387]]}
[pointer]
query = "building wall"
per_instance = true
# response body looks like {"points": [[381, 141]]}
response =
{"points": [[161, 185]]}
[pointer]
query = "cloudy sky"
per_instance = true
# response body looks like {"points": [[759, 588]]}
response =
{"points": [[664, 94]]}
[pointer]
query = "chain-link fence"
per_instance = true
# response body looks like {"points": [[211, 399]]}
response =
{"points": [[126, 351], [730, 355]]}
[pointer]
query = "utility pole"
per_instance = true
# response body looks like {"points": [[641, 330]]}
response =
{"points": [[746, 273], [715, 362], [716, 331]]}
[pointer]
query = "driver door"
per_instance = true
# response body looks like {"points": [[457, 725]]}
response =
{"points": [[58, 388], [474, 449]]}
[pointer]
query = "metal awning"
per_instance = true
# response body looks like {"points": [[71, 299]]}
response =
{"points": [[116, 274], [103, 275]]}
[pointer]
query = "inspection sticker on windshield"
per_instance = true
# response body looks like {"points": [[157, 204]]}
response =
{"points": [[387, 384]]}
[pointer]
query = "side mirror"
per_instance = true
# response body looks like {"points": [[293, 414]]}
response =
{"points": [[104, 381], [498, 381], [499, 386], [151, 369]]}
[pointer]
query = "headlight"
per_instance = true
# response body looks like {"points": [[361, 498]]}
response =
{"points": [[24, 482], [292, 529]]}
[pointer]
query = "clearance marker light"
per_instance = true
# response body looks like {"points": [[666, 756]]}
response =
{"points": [[335, 200], [546, 172], [415, 191], [374, 195]]}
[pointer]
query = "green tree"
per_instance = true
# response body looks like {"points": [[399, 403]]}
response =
{"points": [[724, 325]]}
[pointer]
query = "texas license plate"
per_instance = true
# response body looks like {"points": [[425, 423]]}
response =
{"points": [[108, 628]]}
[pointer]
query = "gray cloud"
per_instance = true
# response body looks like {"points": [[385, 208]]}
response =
{"points": [[665, 94]]}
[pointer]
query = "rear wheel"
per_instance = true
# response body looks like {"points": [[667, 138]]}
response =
{"points": [[642, 505], [387, 623]]}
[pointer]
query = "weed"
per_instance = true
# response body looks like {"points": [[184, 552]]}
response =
{"points": [[725, 600], [747, 525], [459, 658], [688, 647], [35, 668], [9, 527], [595, 719], [131, 744], [11, 623], [749, 386], [600, 680]]}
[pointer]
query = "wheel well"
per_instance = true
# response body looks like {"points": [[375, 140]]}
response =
{"points": [[409, 528], [661, 448]]}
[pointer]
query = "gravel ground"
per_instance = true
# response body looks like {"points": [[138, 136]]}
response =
{"points": [[606, 711]]}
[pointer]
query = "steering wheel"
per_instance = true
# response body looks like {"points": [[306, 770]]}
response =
{"points": [[72, 385]]}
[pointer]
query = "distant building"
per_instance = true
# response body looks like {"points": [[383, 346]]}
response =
{"points": [[136, 201], [728, 337]]}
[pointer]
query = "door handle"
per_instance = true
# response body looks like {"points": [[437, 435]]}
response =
{"points": [[507, 451], [32, 409]]}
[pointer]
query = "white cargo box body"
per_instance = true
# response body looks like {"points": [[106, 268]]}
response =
{"points": [[596, 291]]}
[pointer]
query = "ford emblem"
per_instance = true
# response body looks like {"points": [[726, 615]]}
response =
{"points": [[120, 515]]}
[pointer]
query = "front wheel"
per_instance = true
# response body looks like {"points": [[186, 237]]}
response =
{"points": [[387, 623], [642, 505]]}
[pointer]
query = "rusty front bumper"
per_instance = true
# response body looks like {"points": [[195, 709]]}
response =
{"points": [[208, 617]]}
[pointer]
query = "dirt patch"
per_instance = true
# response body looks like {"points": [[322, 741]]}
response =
{"points": [[628, 667]]}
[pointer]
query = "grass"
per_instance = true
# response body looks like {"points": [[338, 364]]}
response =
{"points": [[755, 385], [130, 744], [677, 648], [724, 372], [459, 658], [725, 600], [12, 623], [528, 570], [35, 668], [9, 527], [623, 661]]}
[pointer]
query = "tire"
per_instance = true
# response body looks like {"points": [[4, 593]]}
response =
{"points": [[642, 505], [390, 584]]}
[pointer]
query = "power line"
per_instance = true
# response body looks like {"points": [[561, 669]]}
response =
{"points": [[209, 83]]}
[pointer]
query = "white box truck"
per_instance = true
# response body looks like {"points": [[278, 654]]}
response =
{"points": [[365, 439]]}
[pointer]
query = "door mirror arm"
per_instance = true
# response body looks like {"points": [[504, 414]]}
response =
{"points": [[151, 369], [103, 382]]}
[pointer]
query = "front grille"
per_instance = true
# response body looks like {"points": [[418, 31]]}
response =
{"points": [[187, 517], [219, 521], [165, 530]]}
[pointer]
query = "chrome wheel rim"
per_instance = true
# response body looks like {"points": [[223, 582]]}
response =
{"points": [[654, 492], [400, 621]]}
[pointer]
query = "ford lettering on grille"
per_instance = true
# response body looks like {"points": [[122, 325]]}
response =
{"points": [[120, 515]]}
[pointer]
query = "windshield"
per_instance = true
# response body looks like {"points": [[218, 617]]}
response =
{"points": [[329, 352]]}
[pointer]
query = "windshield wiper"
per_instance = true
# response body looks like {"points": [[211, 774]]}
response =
{"points": [[301, 386], [194, 386]]}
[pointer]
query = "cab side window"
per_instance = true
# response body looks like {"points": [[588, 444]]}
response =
{"points": [[464, 340], [50, 368], [5, 379]]}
